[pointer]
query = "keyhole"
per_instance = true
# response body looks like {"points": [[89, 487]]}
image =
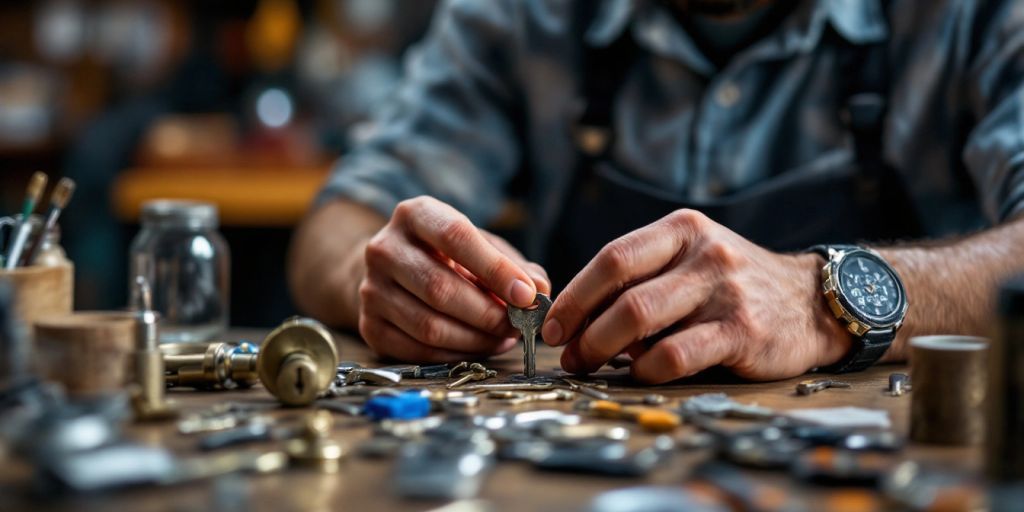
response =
{"points": [[299, 385]]}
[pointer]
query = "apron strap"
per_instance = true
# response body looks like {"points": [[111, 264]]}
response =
{"points": [[602, 72]]}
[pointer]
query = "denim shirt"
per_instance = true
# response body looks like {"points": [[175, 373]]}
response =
{"points": [[491, 92]]}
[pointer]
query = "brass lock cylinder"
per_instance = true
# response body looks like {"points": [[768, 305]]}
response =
{"points": [[298, 361]]}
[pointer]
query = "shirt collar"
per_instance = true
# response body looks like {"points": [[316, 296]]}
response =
{"points": [[857, 21]]}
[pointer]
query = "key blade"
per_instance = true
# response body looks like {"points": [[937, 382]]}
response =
{"points": [[530, 353]]}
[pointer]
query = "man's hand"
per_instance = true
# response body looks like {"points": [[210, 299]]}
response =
{"points": [[436, 286], [717, 299]]}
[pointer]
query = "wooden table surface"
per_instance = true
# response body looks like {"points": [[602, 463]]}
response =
{"points": [[364, 484]]}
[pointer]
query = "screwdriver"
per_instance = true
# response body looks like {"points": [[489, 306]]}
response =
{"points": [[649, 418]]}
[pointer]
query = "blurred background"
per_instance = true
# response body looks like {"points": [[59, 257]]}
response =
{"points": [[242, 103]]}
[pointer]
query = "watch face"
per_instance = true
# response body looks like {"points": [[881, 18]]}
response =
{"points": [[870, 288]]}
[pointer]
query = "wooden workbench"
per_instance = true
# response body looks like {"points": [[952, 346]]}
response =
{"points": [[363, 484]]}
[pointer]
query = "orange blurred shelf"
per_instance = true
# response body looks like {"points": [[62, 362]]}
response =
{"points": [[271, 197]]}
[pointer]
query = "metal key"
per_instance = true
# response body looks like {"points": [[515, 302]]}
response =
{"points": [[807, 387], [519, 397], [475, 372], [528, 321]]}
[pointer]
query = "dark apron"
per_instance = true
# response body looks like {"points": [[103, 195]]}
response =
{"points": [[865, 201]]}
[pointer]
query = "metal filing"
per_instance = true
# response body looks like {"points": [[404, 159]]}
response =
{"points": [[148, 393], [528, 321], [218, 365], [298, 361]]}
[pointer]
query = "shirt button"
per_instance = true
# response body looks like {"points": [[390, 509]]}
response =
{"points": [[728, 94]]}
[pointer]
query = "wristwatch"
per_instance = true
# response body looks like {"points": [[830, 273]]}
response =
{"points": [[867, 296]]}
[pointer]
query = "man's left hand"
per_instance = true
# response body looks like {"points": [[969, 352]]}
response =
{"points": [[711, 296]]}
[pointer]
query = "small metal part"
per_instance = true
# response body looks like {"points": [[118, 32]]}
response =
{"points": [[298, 361], [104, 468], [149, 388], [531, 419], [810, 386], [314, 448], [829, 465], [606, 457], [346, 408], [508, 386], [899, 384], [588, 388], [458, 401], [373, 376], [557, 433], [648, 399], [744, 492], [444, 468], [719, 405], [766, 448], [857, 440], [217, 365], [434, 372], [473, 372], [650, 497], [252, 431], [520, 397], [406, 371], [212, 466], [528, 321]]}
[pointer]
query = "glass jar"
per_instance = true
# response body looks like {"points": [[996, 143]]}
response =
{"points": [[187, 263]]}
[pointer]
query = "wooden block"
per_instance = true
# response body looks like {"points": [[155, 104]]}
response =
{"points": [[86, 351]]}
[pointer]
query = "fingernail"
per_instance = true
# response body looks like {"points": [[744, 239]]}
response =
{"points": [[522, 294], [552, 332]]}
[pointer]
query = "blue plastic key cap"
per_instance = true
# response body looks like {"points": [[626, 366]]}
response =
{"points": [[409, 405]]}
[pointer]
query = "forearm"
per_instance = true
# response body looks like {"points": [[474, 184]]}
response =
{"points": [[951, 286], [326, 263]]}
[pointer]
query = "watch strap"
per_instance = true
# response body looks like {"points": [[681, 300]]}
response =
{"points": [[823, 250], [865, 351]]}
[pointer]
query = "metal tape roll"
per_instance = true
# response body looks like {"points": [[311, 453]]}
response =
{"points": [[950, 381]]}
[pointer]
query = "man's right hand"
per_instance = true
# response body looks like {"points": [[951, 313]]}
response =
{"points": [[436, 286]]}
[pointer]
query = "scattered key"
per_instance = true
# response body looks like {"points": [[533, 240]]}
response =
{"points": [[372, 376], [590, 388], [474, 372], [808, 387], [519, 397], [648, 399], [528, 321]]}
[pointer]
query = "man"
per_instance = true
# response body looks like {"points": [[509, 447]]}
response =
{"points": [[679, 159]]}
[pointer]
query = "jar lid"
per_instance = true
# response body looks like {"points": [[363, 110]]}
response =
{"points": [[1011, 297], [179, 213]]}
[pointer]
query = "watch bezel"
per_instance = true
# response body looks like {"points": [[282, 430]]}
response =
{"points": [[857, 322]]}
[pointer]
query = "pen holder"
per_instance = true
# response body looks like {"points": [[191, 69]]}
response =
{"points": [[41, 292]]}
